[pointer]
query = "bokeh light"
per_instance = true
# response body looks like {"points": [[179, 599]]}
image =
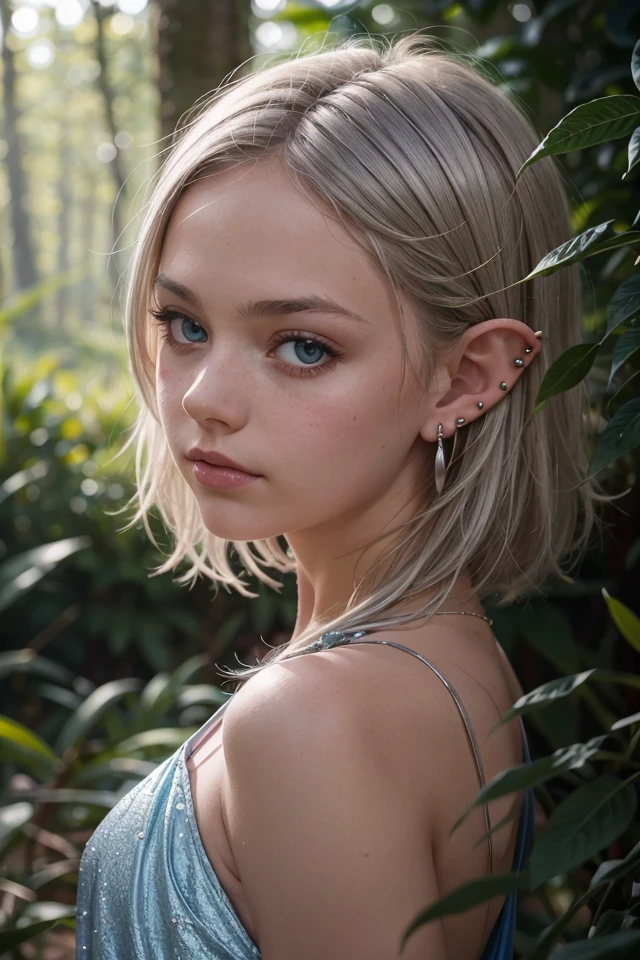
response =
{"points": [[132, 7], [382, 13], [69, 13], [106, 151], [41, 54], [276, 36], [122, 24], [265, 8], [25, 21]]}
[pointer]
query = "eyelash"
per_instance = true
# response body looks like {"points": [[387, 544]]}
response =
{"points": [[164, 318]]}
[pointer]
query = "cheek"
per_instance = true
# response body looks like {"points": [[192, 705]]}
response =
{"points": [[353, 429], [169, 393]]}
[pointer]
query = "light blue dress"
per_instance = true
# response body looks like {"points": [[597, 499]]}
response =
{"points": [[147, 889]]}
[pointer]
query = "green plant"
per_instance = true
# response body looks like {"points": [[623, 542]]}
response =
{"points": [[589, 793], [102, 740]]}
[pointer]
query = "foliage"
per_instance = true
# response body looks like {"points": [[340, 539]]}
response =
{"points": [[127, 673], [600, 806], [103, 740]]}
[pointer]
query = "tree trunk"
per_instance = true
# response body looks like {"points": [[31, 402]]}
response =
{"points": [[24, 262], [115, 163], [200, 42], [64, 231]]}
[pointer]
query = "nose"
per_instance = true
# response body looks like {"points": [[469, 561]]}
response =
{"points": [[218, 392]]}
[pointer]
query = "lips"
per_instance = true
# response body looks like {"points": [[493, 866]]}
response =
{"points": [[218, 460]]}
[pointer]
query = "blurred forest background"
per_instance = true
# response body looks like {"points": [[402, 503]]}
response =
{"points": [[105, 670]]}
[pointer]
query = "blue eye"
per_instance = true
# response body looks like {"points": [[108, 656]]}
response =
{"points": [[308, 351], [189, 329], [179, 329]]}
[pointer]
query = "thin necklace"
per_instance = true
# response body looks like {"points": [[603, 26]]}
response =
{"points": [[464, 613]]}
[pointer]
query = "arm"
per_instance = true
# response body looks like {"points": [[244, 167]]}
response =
{"points": [[335, 858]]}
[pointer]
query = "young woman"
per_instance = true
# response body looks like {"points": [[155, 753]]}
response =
{"points": [[325, 296]]}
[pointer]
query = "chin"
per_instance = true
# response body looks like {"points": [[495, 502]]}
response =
{"points": [[221, 524]]}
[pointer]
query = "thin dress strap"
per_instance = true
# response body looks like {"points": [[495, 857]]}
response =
{"points": [[467, 724]]}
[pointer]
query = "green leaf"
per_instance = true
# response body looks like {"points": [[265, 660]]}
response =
{"points": [[27, 661], [622, 945], [25, 739], [540, 950], [22, 572], [89, 798], [606, 118], [20, 479], [166, 738], [49, 910], [621, 434], [625, 620], [13, 817], [634, 151], [547, 693], [625, 721], [566, 372], [157, 695], [571, 251], [89, 712], [624, 347], [623, 239], [467, 896], [590, 818], [548, 630], [635, 64], [531, 774], [125, 767], [11, 938], [625, 303], [201, 693], [187, 670]]}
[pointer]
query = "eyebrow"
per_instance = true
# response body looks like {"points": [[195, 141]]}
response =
{"points": [[313, 303]]}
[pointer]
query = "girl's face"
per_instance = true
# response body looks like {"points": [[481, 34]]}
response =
{"points": [[301, 394]]}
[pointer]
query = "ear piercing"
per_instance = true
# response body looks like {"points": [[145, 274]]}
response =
{"points": [[518, 362]]}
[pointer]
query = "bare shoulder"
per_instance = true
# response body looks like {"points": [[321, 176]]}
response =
{"points": [[325, 844], [388, 697], [356, 760]]}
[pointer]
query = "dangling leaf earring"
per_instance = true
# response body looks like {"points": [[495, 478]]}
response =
{"points": [[440, 469]]}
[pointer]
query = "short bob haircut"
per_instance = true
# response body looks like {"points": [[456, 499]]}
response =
{"points": [[415, 151]]}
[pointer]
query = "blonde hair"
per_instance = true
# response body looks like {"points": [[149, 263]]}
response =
{"points": [[416, 152]]}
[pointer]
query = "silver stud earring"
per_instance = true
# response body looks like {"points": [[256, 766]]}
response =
{"points": [[518, 362], [459, 421], [480, 405], [503, 385], [528, 349]]}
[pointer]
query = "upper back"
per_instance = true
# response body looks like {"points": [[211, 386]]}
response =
{"points": [[407, 709]]}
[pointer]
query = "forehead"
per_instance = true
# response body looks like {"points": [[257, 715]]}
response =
{"points": [[252, 230]]}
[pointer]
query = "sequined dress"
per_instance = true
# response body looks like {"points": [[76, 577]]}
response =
{"points": [[147, 890]]}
